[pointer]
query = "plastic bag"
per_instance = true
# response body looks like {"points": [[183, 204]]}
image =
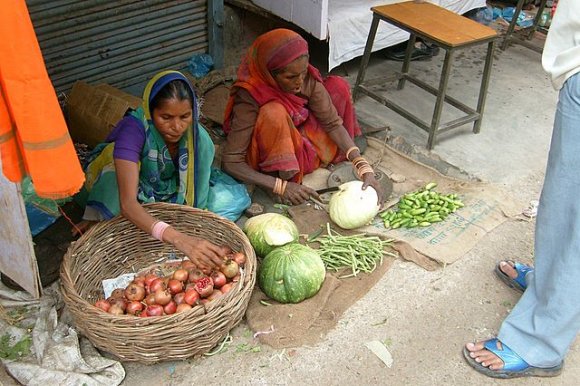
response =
{"points": [[199, 65], [227, 197], [525, 20]]}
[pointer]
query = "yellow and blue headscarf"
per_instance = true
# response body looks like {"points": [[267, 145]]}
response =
{"points": [[159, 179]]}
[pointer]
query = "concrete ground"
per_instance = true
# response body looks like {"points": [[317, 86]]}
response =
{"points": [[423, 317]]}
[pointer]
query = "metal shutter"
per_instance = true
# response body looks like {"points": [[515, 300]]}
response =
{"points": [[118, 42]]}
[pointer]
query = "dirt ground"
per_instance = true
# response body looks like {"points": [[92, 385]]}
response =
{"points": [[422, 317]]}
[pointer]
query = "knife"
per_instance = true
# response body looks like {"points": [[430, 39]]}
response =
{"points": [[327, 190]]}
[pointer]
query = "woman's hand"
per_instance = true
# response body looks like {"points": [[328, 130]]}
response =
{"points": [[370, 180], [297, 193], [203, 253]]}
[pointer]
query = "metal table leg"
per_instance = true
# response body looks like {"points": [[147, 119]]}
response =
{"points": [[440, 97], [537, 19], [408, 53], [484, 85], [366, 56], [512, 25]]}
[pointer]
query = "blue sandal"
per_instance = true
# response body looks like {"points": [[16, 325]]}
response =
{"points": [[513, 365], [519, 283]]}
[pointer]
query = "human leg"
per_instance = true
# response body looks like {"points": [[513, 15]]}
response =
{"points": [[545, 321], [278, 147]]}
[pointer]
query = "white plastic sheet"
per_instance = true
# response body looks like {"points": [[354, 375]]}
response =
{"points": [[58, 356]]}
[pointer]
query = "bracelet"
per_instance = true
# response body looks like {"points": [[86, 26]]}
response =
{"points": [[283, 189], [158, 229], [277, 186], [351, 150], [358, 161], [364, 170]]}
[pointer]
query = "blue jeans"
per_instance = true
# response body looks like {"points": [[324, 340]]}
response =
{"points": [[546, 319]]}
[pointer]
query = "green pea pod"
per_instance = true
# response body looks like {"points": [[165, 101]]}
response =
{"points": [[407, 215], [418, 211], [387, 224], [396, 225], [385, 214], [435, 207], [424, 224], [430, 185], [431, 214], [459, 204]]}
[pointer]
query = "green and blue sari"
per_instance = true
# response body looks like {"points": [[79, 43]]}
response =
{"points": [[161, 179]]}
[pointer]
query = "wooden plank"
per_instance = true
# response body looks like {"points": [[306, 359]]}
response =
{"points": [[17, 258], [435, 23]]}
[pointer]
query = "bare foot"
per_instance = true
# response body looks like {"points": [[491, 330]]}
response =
{"points": [[507, 267], [483, 356], [80, 228]]}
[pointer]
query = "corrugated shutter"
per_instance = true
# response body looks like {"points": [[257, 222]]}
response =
{"points": [[118, 42]]}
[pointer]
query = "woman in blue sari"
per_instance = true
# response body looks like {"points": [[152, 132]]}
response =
{"points": [[157, 153]]}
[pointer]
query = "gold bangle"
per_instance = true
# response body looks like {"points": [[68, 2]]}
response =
{"points": [[351, 150]]}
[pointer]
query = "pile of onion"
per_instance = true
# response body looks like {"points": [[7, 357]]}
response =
{"points": [[186, 287]]}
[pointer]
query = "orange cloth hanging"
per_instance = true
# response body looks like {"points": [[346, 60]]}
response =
{"points": [[34, 138]]}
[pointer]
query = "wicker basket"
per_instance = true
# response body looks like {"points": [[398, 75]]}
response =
{"points": [[115, 247]]}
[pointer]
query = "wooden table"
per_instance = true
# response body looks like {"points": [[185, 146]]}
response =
{"points": [[448, 31]]}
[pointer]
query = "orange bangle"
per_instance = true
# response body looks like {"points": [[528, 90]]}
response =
{"points": [[359, 162], [364, 170], [351, 150]]}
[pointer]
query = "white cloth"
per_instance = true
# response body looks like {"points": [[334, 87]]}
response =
{"points": [[561, 56], [349, 23]]}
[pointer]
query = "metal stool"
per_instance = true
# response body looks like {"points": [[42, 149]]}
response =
{"points": [[448, 31]]}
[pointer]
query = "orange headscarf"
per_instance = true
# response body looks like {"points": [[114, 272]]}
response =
{"points": [[271, 51], [34, 138]]}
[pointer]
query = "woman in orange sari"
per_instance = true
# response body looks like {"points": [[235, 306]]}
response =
{"points": [[284, 121]]}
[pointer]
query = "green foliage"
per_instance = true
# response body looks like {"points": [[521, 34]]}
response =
{"points": [[18, 350]]}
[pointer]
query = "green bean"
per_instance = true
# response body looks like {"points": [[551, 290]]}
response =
{"points": [[359, 253]]}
